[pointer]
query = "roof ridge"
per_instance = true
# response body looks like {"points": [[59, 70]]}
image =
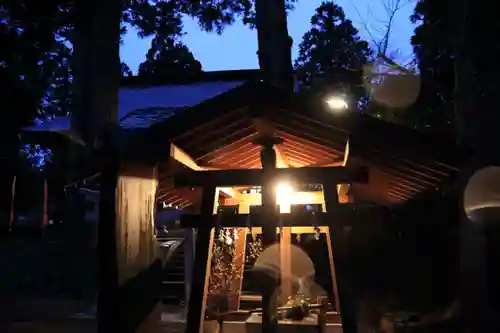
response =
{"points": [[209, 76]]}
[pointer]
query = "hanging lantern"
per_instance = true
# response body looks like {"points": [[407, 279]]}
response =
{"points": [[297, 238]]}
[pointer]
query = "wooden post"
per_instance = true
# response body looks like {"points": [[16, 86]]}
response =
{"points": [[201, 268], [12, 200], [241, 245], [240, 250], [285, 262], [337, 239], [268, 220], [129, 271], [335, 295], [268, 160], [107, 246], [189, 242]]}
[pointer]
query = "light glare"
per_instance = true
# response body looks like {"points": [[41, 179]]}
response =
{"points": [[284, 190], [337, 103]]}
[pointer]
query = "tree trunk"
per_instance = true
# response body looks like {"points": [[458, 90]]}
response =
{"points": [[129, 274], [478, 121], [96, 68], [275, 59]]}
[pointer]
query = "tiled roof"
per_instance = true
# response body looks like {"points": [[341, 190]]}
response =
{"points": [[144, 118], [171, 96], [143, 107]]}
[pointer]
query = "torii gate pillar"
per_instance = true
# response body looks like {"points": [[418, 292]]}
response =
{"points": [[328, 176]]}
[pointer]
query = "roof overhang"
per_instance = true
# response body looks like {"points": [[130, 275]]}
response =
{"points": [[219, 133]]}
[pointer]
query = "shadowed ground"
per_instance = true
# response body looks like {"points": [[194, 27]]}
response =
{"points": [[49, 286], [31, 315]]}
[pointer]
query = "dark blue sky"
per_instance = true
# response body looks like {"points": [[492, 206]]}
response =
{"points": [[236, 48]]}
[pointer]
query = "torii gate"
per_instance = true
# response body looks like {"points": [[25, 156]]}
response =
{"points": [[329, 177]]}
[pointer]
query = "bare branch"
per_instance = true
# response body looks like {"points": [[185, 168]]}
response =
{"points": [[391, 9], [367, 28]]}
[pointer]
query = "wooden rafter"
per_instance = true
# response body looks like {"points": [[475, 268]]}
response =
{"points": [[227, 143], [281, 159], [182, 157]]}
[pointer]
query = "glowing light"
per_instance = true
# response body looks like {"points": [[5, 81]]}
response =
{"points": [[337, 103], [284, 197], [284, 192]]}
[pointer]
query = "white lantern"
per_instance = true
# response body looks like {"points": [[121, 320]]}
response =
{"points": [[482, 196]]}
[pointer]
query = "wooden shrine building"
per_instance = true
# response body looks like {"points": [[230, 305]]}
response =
{"points": [[204, 154]]}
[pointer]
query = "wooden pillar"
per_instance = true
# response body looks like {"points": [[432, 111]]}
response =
{"points": [[241, 247], [347, 302], [268, 160], [12, 200], [285, 249], [189, 242], [201, 268], [286, 263], [129, 271], [240, 250], [333, 272]]}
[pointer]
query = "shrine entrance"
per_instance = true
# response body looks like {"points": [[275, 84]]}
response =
{"points": [[275, 225]]}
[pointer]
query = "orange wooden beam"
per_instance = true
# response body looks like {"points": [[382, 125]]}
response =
{"points": [[182, 157]]}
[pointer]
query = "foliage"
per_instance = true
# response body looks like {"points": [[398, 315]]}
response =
{"points": [[35, 156], [38, 41], [224, 258], [126, 71], [35, 66], [432, 44], [169, 58], [37, 59], [254, 250], [331, 54]]}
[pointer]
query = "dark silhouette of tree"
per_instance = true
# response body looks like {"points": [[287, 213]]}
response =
{"points": [[34, 74], [169, 58], [331, 54], [34, 65], [126, 71], [37, 60], [433, 47]]}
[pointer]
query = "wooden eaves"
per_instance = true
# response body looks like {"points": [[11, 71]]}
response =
{"points": [[218, 134]]}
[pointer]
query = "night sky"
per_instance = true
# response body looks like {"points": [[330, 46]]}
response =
{"points": [[236, 48]]}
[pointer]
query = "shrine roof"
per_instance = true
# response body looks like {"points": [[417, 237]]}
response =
{"points": [[402, 162], [219, 133], [212, 122], [142, 104]]}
